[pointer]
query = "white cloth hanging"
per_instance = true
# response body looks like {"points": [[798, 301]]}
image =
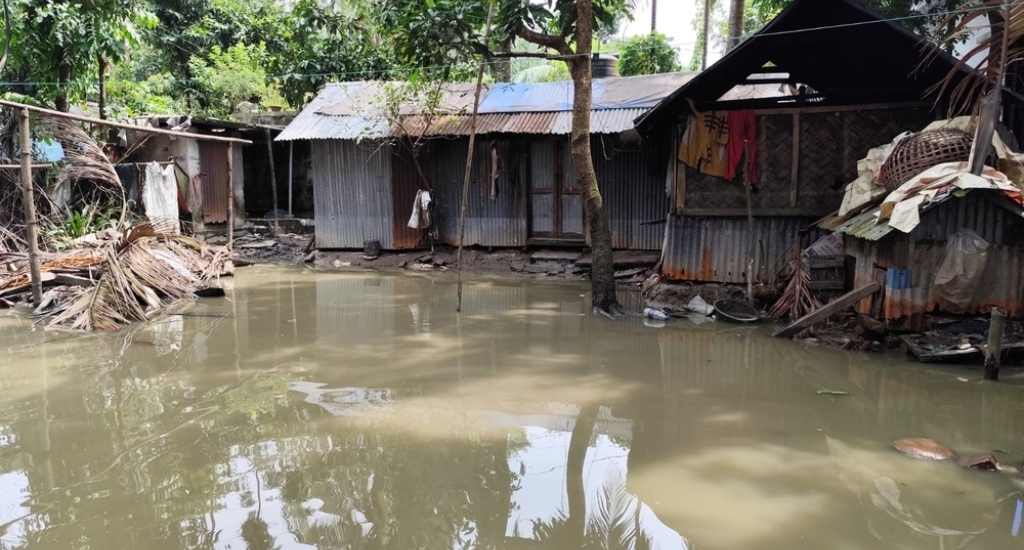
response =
{"points": [[420, 218]]}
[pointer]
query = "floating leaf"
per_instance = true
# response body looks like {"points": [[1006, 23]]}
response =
{"points": [[826, 391]]}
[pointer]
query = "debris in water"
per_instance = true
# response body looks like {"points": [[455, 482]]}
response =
{"points": [[984, 463], [923, 448], [132, 279], [826, 391]]}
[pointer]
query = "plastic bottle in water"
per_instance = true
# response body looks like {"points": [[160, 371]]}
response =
{"points": [[651, 313]]}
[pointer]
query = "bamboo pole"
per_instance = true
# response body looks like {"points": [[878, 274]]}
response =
{"points": [[113, 124], [31, 221], [291, 160], [994, 349], [469, 156], [750, 221], [273, 179], [231, 197]]}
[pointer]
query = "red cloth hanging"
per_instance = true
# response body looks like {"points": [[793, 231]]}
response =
{"points": [[742, 126]]}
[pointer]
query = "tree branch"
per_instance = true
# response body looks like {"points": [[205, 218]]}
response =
{"points": [[556, 43], [537, 55]]}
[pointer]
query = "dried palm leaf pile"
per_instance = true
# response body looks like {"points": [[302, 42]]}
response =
{"points": [[797, 300], [121, 281]]}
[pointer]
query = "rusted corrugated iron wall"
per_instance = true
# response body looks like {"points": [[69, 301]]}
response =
{"points": [[633, 193], [923, 250], [352, 194], [213, 164], [499, 222], [715, 249], [995, 224], [405, 182]]}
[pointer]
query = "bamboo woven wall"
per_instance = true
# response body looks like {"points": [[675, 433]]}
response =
{"points": [[829, 144]]}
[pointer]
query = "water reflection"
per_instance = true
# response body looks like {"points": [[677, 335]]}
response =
{"points": [[328, 410]]}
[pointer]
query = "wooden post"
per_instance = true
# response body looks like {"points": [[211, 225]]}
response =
{"points": [[273, 179], [469, 156], [994, 349], [794, 183], [291, 160], [103, 86], [231, 197], [31, 221], [750, 222]]}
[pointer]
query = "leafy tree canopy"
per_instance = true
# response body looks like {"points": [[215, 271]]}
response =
{"points": [[648, 54]]}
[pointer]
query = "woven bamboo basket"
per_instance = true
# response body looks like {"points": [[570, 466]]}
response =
{"points": [[923, 150]]}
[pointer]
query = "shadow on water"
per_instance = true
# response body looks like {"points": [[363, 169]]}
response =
{"points": [[355, 410]]}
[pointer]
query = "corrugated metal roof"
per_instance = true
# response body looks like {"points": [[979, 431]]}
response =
{"points": [[356, 110], [310, 125], [866, 226], [610, 121]]}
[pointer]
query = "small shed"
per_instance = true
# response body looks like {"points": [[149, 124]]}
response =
{"points": [[907, 263], [523, 191], [846, 78], [200, 166]]}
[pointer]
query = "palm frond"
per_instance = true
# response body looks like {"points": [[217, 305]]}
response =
{"points": [[1005, 23]]}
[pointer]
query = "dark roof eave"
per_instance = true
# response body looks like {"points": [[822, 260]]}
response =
{"points": [[754, 53]]}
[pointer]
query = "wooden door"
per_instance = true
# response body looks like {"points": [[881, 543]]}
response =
{"points": [[213, 163], [556, 205]]}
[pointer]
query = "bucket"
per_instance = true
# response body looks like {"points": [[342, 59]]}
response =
{"points": [[371, 249]]}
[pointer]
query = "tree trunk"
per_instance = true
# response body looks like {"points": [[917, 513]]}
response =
{"points": [[703, 40], [654, 16], [602, 275], [103, 86], [504, 65], [736, 23], [63, 77]]}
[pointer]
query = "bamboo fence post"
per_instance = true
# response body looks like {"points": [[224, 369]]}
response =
{"points": [[231, 197], [994, 349], [469, 156], [750, 222], [31, 221], [273, 179]]}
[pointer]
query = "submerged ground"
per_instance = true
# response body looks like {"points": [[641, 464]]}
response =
{"points": [[357, 410]]}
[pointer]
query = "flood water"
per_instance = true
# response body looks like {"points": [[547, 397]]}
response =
{"points": [[357, 410]]}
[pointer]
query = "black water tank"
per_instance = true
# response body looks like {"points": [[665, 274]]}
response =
{"points": [[604, 65]]}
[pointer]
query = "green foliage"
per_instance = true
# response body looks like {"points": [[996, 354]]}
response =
{"points": [[56, 45], [648, 54], [434, 33], [78, 223], [226, 78], [154, 95], [336, 42]]}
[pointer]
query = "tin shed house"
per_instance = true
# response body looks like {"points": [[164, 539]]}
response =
{"points": [[523, 191], [846, 80]]}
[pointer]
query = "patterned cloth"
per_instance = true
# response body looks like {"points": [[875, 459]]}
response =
{"points": [[704, 143]]}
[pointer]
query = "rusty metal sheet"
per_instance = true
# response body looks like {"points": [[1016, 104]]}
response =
{"points": [[923, 250], [351, 194], [310, 124], [355, 110], [213, 163], [500, 221], [405, 183], [633, 192], [716, 249], [609, 121]]}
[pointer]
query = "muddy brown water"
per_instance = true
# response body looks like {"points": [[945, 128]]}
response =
{"points": [[356, 410]]}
